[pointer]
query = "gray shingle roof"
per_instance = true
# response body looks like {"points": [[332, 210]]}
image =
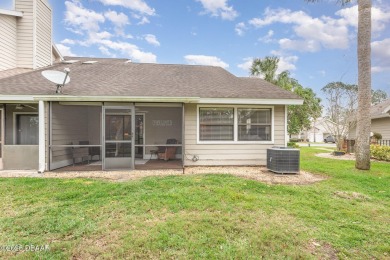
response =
{"points": [[115, 77], [381, 109]]}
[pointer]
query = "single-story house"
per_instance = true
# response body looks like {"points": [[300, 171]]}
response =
{"points": [[380, 120], [127, 110]]}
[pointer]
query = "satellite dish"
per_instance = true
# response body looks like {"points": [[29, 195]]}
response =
{"points": [[57, 77]]}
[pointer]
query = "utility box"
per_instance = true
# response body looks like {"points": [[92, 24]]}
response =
{"points": [[283, 159]]}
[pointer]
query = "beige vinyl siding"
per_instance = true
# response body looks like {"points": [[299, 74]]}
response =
{"points": [[7, 42], [379, 125], [25, 31], [43, 35], [228, 154], [69, 124]]}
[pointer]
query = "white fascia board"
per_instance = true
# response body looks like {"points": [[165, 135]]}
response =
{"points": [[380, 116], [11, 13], [233, 101], [16, 98], [386, 110], [240, 101]]}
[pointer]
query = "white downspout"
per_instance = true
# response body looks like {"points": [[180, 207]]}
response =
{"points": [[42, 134]]}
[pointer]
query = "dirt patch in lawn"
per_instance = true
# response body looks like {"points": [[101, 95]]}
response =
{"points": [[341, 157], [322, 250], [253, 173], [351, 195], [261, 174]]}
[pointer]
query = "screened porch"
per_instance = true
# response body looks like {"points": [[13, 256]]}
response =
{"points": [[96, 136]]}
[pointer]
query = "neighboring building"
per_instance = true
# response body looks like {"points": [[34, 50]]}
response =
{"points": [[127, 110], [317, 132], [380, 120], [26, 41]]}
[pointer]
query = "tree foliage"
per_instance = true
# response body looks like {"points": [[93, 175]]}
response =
{"points": [[299, 117], [377, 96], [341, 110]]}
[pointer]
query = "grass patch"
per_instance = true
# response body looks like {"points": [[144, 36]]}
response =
{"points": [[202, 216]]}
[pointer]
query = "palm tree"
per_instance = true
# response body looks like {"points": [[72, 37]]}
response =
{"points": [[363, 124]]}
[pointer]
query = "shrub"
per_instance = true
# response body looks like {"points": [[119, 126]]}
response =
{"points": [[377, 136], [380, 152], [294, 140], [292, 145]]}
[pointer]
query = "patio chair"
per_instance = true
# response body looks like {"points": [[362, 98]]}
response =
{"points": [[167, 152]]}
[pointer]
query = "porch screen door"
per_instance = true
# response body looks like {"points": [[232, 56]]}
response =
{"points": [[118, 138]]}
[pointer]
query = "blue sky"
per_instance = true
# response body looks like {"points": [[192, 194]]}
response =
{"points": [[315, 42]]}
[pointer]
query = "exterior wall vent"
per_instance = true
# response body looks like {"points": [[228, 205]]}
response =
{"points": [[283, 160], [70, 61], [90, 62]]}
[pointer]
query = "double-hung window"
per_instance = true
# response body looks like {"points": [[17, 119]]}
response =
{"points": [[254, 124], [216, 124], [235, 124]]}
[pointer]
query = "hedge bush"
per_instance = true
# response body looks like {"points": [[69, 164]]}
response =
{"points": [[292, 145], [380, 152]]}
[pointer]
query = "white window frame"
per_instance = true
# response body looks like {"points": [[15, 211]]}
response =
{"points": [[15, 114], [235, 129]]}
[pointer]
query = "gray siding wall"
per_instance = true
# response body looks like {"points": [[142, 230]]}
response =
{"points": [[25, 34], [72, 124], [158, 133], [69, 125], [228, 154], [7, 42], [43, 35], [380, 125], [21, 157]]}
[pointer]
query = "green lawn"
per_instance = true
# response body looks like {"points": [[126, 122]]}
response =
{"points": [[202, 216]]}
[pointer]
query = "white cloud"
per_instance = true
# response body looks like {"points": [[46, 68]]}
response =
{"points": [[205, 60], [380, 55], [68, 41], [130, 50], [379, 17], [65, 50], [80, 18], [268, 37], [312, 33], [151, 39], [286, 62], [322, 73], [219, 8], [240, 28], [247, 64], [135, 5], [87, 22], [105, 51], [300, 45], [144, 20], [118, 19]]}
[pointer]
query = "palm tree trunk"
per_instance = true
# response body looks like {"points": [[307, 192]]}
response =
{"points": [[363, 127]]}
